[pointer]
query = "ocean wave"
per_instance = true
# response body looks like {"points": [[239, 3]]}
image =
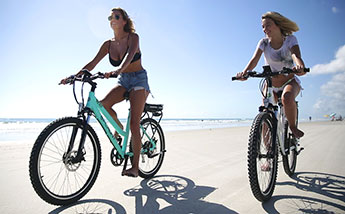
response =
{"points": [[29, 129]]}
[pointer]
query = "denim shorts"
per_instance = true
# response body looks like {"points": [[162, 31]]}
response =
{"points": [[134, 81]]}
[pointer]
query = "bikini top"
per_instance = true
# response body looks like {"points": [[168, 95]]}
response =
{"points": [[116, 63]]}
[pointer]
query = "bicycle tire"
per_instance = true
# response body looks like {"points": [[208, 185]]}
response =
{"points": [[72, 180], [148, 167], [262, 183], [290, 159]]}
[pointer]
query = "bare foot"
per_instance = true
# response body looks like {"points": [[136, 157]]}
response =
{"points": [[130, 173], [297, 133]]}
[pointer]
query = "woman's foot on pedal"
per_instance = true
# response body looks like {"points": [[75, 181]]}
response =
{"points": [[130, 173], [296, 132]]}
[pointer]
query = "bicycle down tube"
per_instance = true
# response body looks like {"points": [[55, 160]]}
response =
{"points": [[278, 112], [98, 110]]}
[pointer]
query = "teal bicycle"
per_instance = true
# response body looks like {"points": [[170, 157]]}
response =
{"points": [[66, 157]]}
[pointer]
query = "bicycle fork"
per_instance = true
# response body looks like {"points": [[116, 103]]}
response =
{"points": [[79, 154]]}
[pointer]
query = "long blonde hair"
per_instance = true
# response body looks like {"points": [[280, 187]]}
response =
{"points": [[129, 27], [287, 27]]}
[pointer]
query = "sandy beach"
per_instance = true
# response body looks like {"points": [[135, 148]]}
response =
{"points": [[204, 171]]}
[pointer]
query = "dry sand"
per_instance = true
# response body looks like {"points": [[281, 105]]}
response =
{"points": [[204, 171]]}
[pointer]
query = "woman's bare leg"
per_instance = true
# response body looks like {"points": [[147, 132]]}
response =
{"points": [[288, 99], [113, 97], [137, 101]]}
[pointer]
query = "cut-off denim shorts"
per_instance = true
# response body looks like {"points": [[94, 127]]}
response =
{"points": [[134, 81]]}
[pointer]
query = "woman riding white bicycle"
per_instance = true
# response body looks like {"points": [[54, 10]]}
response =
{"points": [[124, 53], [281, 49]]}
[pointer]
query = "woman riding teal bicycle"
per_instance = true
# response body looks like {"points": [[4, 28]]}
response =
{"points": [[281, 49], [124, 53]]}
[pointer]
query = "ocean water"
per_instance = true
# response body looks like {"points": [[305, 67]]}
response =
{"points": [[24, 130]]}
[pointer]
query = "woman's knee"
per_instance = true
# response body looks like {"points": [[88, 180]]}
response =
{"points": [[104, 103], [288, 98]]}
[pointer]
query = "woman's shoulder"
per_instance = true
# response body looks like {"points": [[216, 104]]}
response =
{"points": [[133, 35], [290, 37], [264, 39], [263, 43], [107, 42], [291, 40]]}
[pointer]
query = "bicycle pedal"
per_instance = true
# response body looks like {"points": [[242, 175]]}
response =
{"points": [[299, 151], [119, 140]]}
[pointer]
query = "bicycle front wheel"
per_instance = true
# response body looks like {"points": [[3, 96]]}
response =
{"points": [[55, 177], [262, 157], [151, 157]]}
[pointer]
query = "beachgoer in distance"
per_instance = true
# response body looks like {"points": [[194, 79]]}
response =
{"points": [[280, 50], [124, 54]]}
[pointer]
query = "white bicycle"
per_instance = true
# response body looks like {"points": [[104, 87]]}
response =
{"points": [[270, 133]]}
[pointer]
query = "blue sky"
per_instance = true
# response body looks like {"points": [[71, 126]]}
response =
{"points": [[190, 48]]}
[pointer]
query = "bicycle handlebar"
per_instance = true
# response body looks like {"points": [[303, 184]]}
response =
{"points": [[269, 73], [86, 76]]}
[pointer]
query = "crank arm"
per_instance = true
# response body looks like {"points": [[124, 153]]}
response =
{"points": [[159, 153]]}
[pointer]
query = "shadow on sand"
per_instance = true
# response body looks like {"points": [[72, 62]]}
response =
{"points": [[173, 194], [161, 194], [94, 206], [330, 188]]}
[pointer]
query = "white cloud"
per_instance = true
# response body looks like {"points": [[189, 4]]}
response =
{"points": [[333, 99], [335, 10], [336, 65]]}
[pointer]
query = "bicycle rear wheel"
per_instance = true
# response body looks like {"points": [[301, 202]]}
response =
{"points": [[262, 157], [55, 178], [290, 145], [151, 159]]}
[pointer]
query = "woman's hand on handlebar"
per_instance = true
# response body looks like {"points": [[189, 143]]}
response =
{"points": [[242, 76], [112, 74], [63, 81], [66, 80], [299, 69]]}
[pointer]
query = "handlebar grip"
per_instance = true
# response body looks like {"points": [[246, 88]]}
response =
{"points": [[114, 76], [234, 78]]}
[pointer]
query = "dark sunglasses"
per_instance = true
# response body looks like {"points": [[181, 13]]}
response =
{"points": [[117, 17]]}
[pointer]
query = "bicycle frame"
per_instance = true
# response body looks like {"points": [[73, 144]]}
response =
{"points": [[97, 108], [278, 112]]}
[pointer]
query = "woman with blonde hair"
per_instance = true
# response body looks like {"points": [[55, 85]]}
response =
{"points": [[280, 50], [124, 54]]}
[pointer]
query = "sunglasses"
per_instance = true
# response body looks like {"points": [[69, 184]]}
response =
{"points": [[117, 17]]}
